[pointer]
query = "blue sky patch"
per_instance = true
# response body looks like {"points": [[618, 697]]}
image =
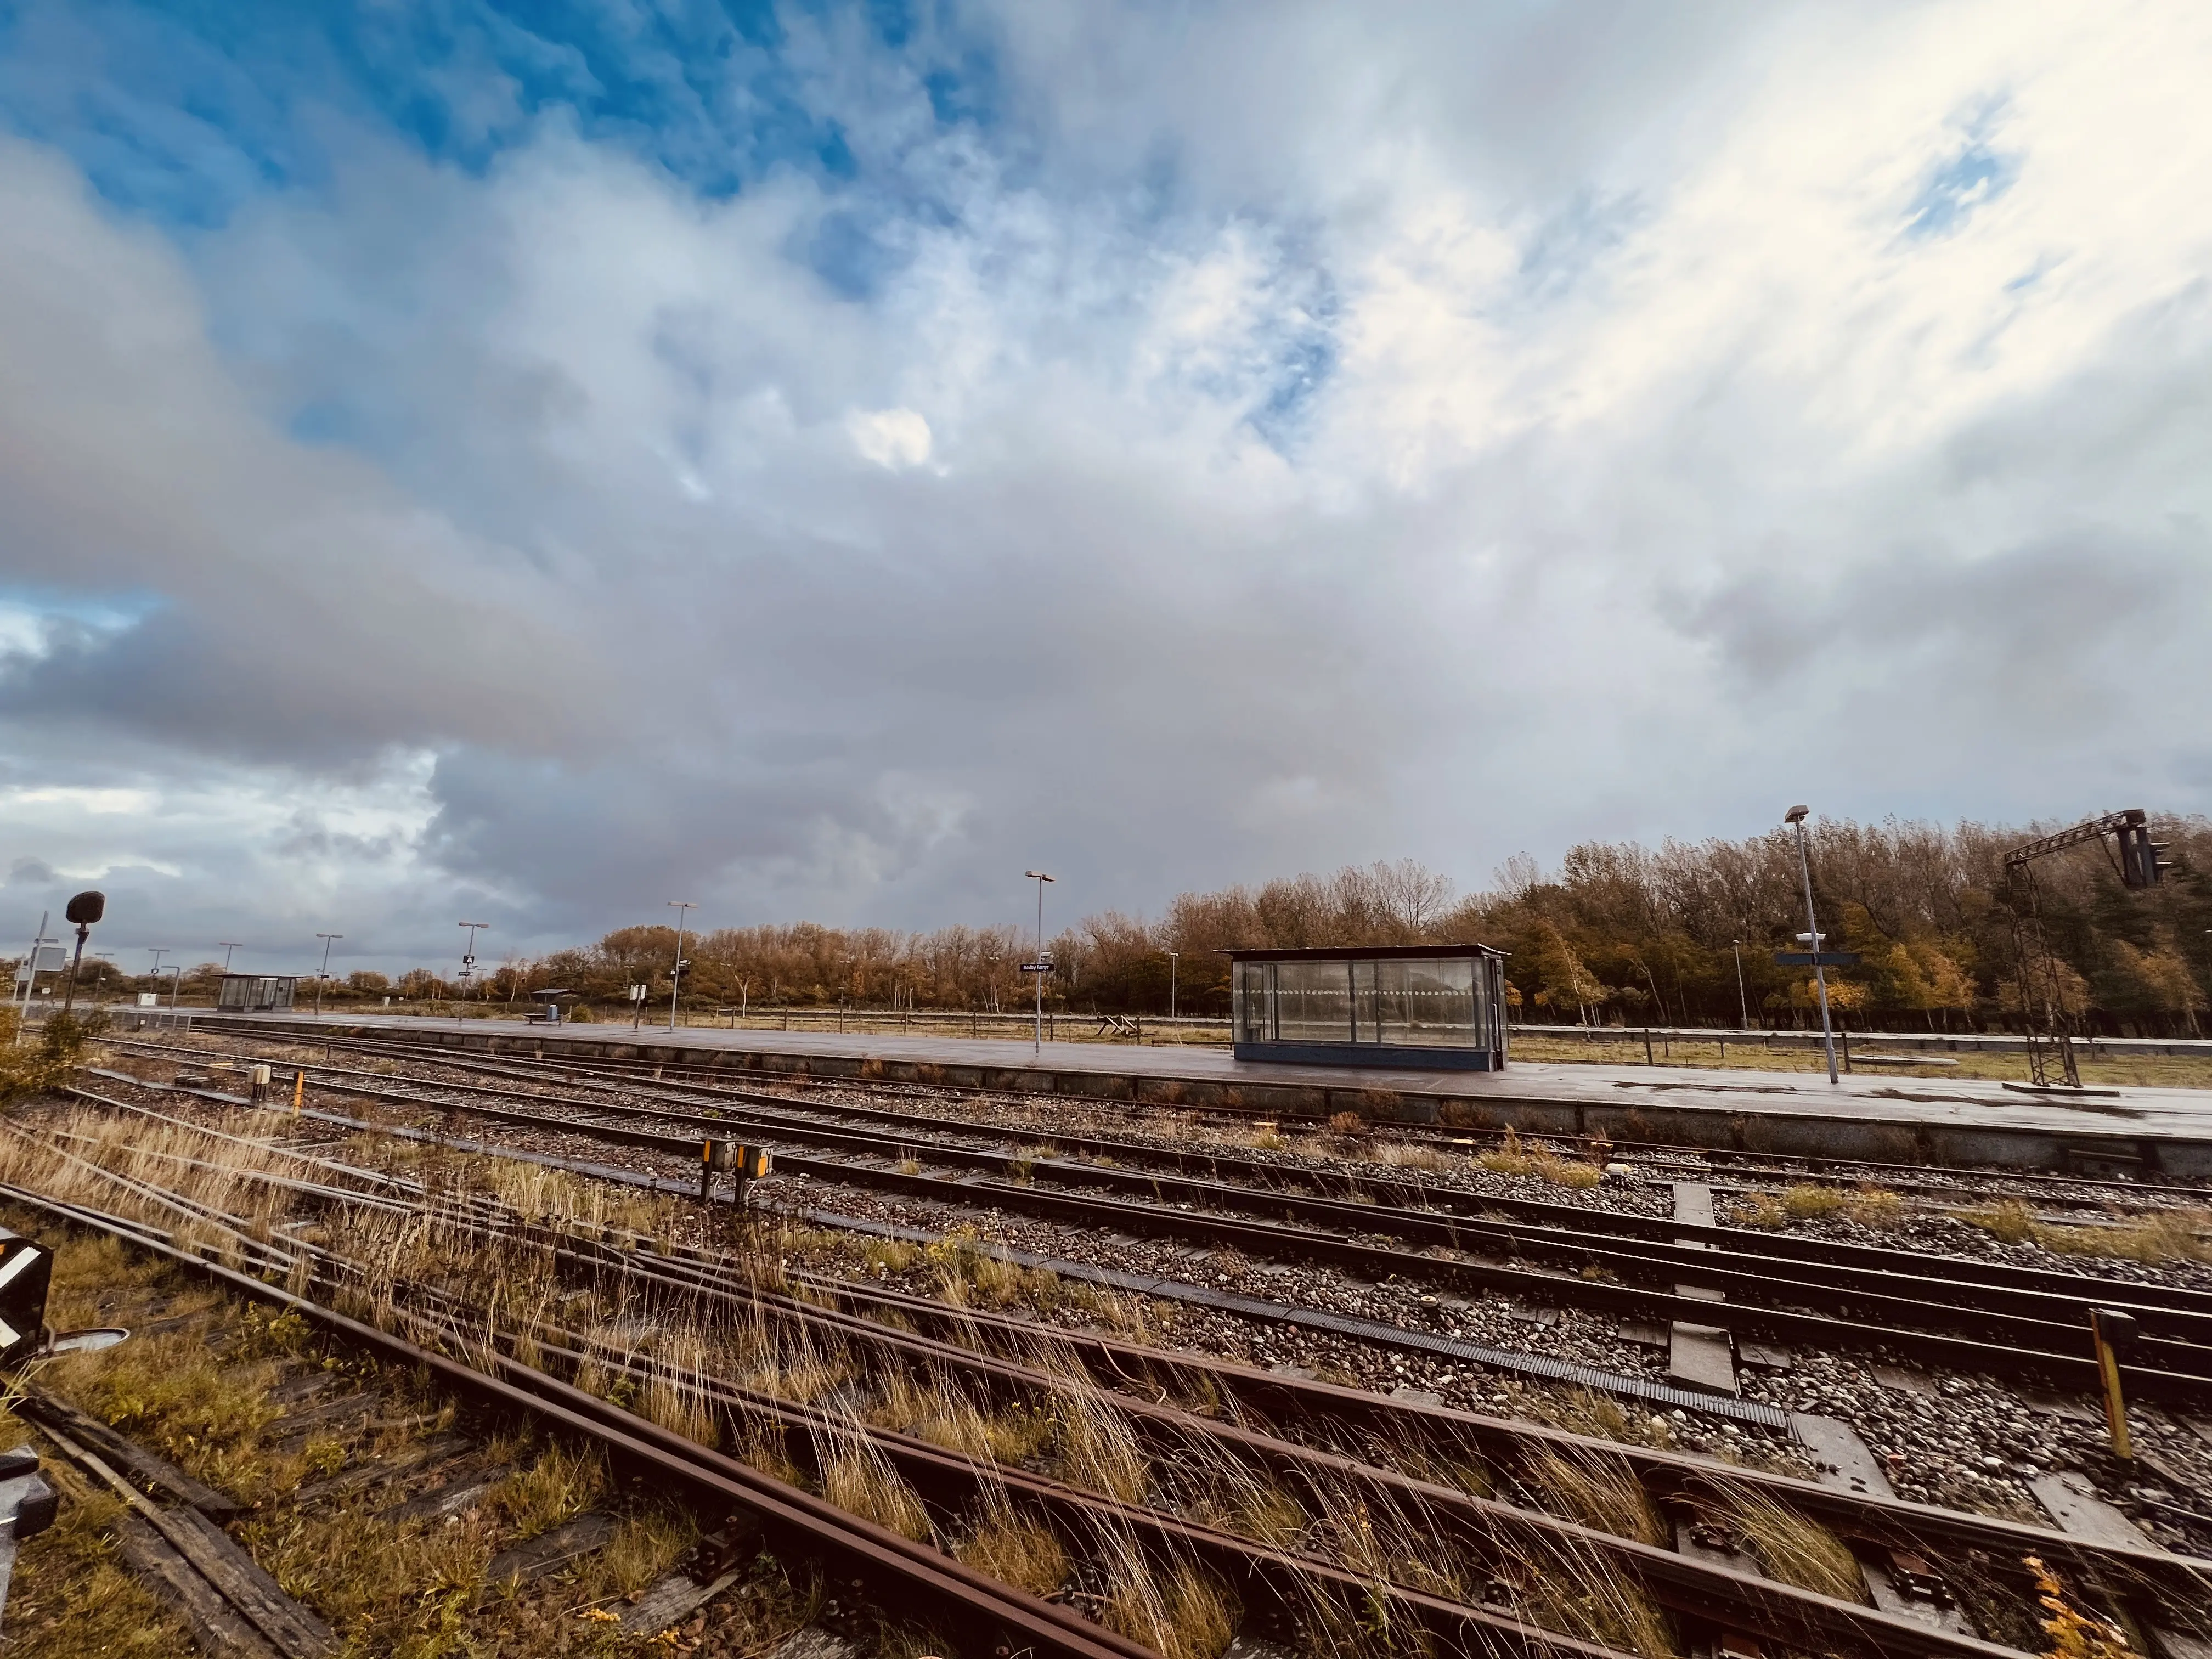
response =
{"points": [[184, 111], [1969, 181]]}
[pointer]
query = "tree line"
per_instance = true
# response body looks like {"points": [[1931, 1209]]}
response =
{"points": [[1619, 933]]}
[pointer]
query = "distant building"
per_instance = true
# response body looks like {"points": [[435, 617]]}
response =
{"points": [[1440, 1005], [255, 994]]}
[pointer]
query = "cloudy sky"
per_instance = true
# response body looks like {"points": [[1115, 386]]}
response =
{"points": [[530, 462]]}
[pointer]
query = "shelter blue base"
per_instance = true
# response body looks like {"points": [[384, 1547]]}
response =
{"points": [[1372, 1053]]}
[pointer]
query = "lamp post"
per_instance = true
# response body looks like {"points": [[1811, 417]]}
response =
{"points": [[1742, 1002], [1172, 954], [155, 973], [469, 951], [325, 973], [1037, 964], [228, 946], [676, 975], [176, 983], [1797, 816]]}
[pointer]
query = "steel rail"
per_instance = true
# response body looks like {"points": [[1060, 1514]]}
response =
{"points": [[1891, 1522], [1486, 1527], [982, 1609], [2168, 1368], [2079, 1291], [1286, 1576], [1836, 1171]]}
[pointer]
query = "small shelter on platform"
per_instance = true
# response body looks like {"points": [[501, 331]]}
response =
{"points": [[254, 993], [1440, 1006]]}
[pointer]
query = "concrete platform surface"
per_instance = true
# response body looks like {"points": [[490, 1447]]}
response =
{"points": [[2125, 1132]]}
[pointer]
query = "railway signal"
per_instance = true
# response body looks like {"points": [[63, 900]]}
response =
{"points": [[2044, 1019], [85, 910], [27, 1269]]}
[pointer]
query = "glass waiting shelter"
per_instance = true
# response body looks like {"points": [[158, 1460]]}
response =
{"points": [[1418, 1005], [253, 994]]}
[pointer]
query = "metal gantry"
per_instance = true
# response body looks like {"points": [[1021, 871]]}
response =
{"points": [[2044, 1017]]}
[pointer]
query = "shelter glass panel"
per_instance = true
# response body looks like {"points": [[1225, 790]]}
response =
{"points": [[1254, 1014], [1312, 1001]]}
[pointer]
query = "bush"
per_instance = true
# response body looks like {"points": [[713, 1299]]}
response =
{"points": [[25, 1071]]}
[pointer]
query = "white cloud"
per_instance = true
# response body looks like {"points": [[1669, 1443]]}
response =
{"points": [[894, 439]]}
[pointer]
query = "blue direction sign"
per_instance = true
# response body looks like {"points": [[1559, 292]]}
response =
{"points": [[1817, 958]]}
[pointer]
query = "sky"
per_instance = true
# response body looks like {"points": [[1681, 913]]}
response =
{"points": [[527, 463]]}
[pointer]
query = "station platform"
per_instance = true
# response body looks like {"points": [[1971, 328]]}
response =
{"points": [[2142, 1133]]}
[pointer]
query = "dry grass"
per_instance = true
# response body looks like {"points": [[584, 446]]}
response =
{"points": [[1015, 1550], [859, 1478], [1793, 1549], [1410, 1155], [558, 1485], [1181, 1613], [1599, 1491], [1513, 1158], [2155, 1238], [1866, 1206]]}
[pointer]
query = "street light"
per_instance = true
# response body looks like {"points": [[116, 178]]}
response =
{"points": [[175, 984], [1797, 816], [1172, 954], [325, 974], [228, 946], [1036, 966], [1742, 1002], [676, 973], [469, 951]]}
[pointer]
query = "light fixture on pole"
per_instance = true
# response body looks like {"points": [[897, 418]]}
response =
{"points": [[176, 983], [325, 973], [1039, 967], [228, 946], [155, 973], [469, 951], [676, 975], [1795, 816], [1742, 1002], [1172, 954]]}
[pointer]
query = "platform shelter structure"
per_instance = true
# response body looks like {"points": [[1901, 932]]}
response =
{"points": [[255, 993], [1423, 1005]]}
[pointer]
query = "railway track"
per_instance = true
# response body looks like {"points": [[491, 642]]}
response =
{"points": [[1935, 1180], [901, 1573], [1698, 1587], [1968, 1314]]}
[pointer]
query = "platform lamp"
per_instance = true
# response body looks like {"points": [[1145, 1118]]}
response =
{"points": [[325, 974], [1795, 816], [1742, 1001], [469, 951], [228, 946], [1038, 965], [676, 973], [1172, 954]]}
